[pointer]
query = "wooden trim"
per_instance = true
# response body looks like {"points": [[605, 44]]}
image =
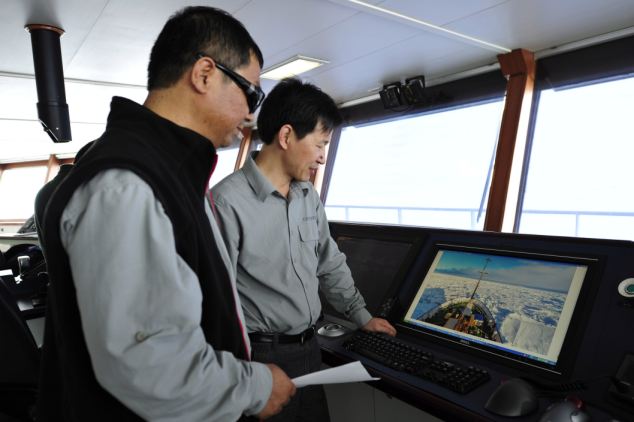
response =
{"points": [[38, 163], [12, 221], [53, 165], [13, 224], [518, 67], [244, 148]]}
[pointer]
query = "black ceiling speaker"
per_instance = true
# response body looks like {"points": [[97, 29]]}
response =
{"points": [[391, 95], [52, 109], [414, 90]]}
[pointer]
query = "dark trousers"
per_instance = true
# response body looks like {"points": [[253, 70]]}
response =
{"points": [[309, 403]]}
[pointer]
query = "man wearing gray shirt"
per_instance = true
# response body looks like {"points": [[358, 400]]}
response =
{"points": [[279, 243], [143, 319]]}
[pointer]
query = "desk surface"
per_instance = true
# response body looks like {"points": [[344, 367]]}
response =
{"points": [[599, 347], [436, 399]]}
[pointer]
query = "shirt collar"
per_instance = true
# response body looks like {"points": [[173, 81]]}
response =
{"points": [[262, 186]]}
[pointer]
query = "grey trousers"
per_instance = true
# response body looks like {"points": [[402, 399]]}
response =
{"points": [[309, 403]]}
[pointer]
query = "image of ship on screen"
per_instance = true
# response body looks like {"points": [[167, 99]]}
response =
{"points": [[508, 300]]}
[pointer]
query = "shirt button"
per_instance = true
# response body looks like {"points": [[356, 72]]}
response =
{"points": [[140, 336]]}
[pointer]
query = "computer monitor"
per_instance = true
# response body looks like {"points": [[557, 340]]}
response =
{"points": [[505, 303], [378, 260]]}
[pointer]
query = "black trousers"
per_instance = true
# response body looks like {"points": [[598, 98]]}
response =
{"points": [[309, 403]]}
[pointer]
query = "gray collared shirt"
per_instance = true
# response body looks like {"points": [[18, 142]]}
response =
{"points": [[282, 252]]}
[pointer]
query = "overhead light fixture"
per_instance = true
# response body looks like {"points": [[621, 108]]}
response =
{"points": [[291, 67]]}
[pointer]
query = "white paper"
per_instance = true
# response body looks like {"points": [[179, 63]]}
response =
{"points": [[351, 372]]}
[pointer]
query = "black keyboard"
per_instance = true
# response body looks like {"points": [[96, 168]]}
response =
{"points": [[401, 356]]}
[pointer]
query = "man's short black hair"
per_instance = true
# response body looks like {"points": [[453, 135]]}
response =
{"points": [[299, 104], [198, 29]]}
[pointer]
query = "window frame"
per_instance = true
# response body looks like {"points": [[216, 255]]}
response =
{"points": [[583, 66], [590, 65], [479, 89]]}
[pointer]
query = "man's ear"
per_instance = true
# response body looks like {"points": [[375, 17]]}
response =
{"points": [[200, 75], [284, 136]]}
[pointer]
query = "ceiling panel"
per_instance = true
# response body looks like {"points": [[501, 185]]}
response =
{"points": [[429, 10], [277, 25], [351, 40], [430, 16], [110, 40], [367, 51], [411, 58], [76, 17], [117, 49], [540, 24]]}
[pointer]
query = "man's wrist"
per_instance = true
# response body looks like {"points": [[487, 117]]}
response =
{"points": [[262, 386], [361, 317]]}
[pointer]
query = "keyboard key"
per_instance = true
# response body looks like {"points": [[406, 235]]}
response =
{"points": [[401, 356]]}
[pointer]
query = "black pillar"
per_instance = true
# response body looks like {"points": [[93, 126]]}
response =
{"points": [[52, 109]]}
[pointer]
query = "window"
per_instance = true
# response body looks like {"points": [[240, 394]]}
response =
{"points": [[18, 187], [580, 174], [227, 158], [429, 170]]}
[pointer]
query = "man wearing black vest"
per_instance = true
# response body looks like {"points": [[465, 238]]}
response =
{"points": [[144, 321]]}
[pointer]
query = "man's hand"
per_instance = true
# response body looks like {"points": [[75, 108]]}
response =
{"points": [[283, 390], [379, 325]]}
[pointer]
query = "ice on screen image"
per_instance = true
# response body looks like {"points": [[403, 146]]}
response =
{"points": [[508, 300]]}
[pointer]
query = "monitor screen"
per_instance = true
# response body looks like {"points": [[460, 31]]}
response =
{"points": [[374, 264], [517, 305]]}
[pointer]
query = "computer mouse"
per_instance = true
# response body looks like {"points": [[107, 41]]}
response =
{"points": [[514, 397], [331, 330], [564, 411]]}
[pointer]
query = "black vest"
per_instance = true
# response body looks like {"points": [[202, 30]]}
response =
{"points": [[176, 163]]}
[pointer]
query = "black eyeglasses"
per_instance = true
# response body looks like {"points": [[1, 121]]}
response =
{"points": [[253, 93]]}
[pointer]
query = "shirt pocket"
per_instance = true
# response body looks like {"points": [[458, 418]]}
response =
{"points": [[309, 236]]}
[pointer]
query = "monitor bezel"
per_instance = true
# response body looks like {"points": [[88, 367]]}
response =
{"points": [[573, 335], [402, 234]]}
